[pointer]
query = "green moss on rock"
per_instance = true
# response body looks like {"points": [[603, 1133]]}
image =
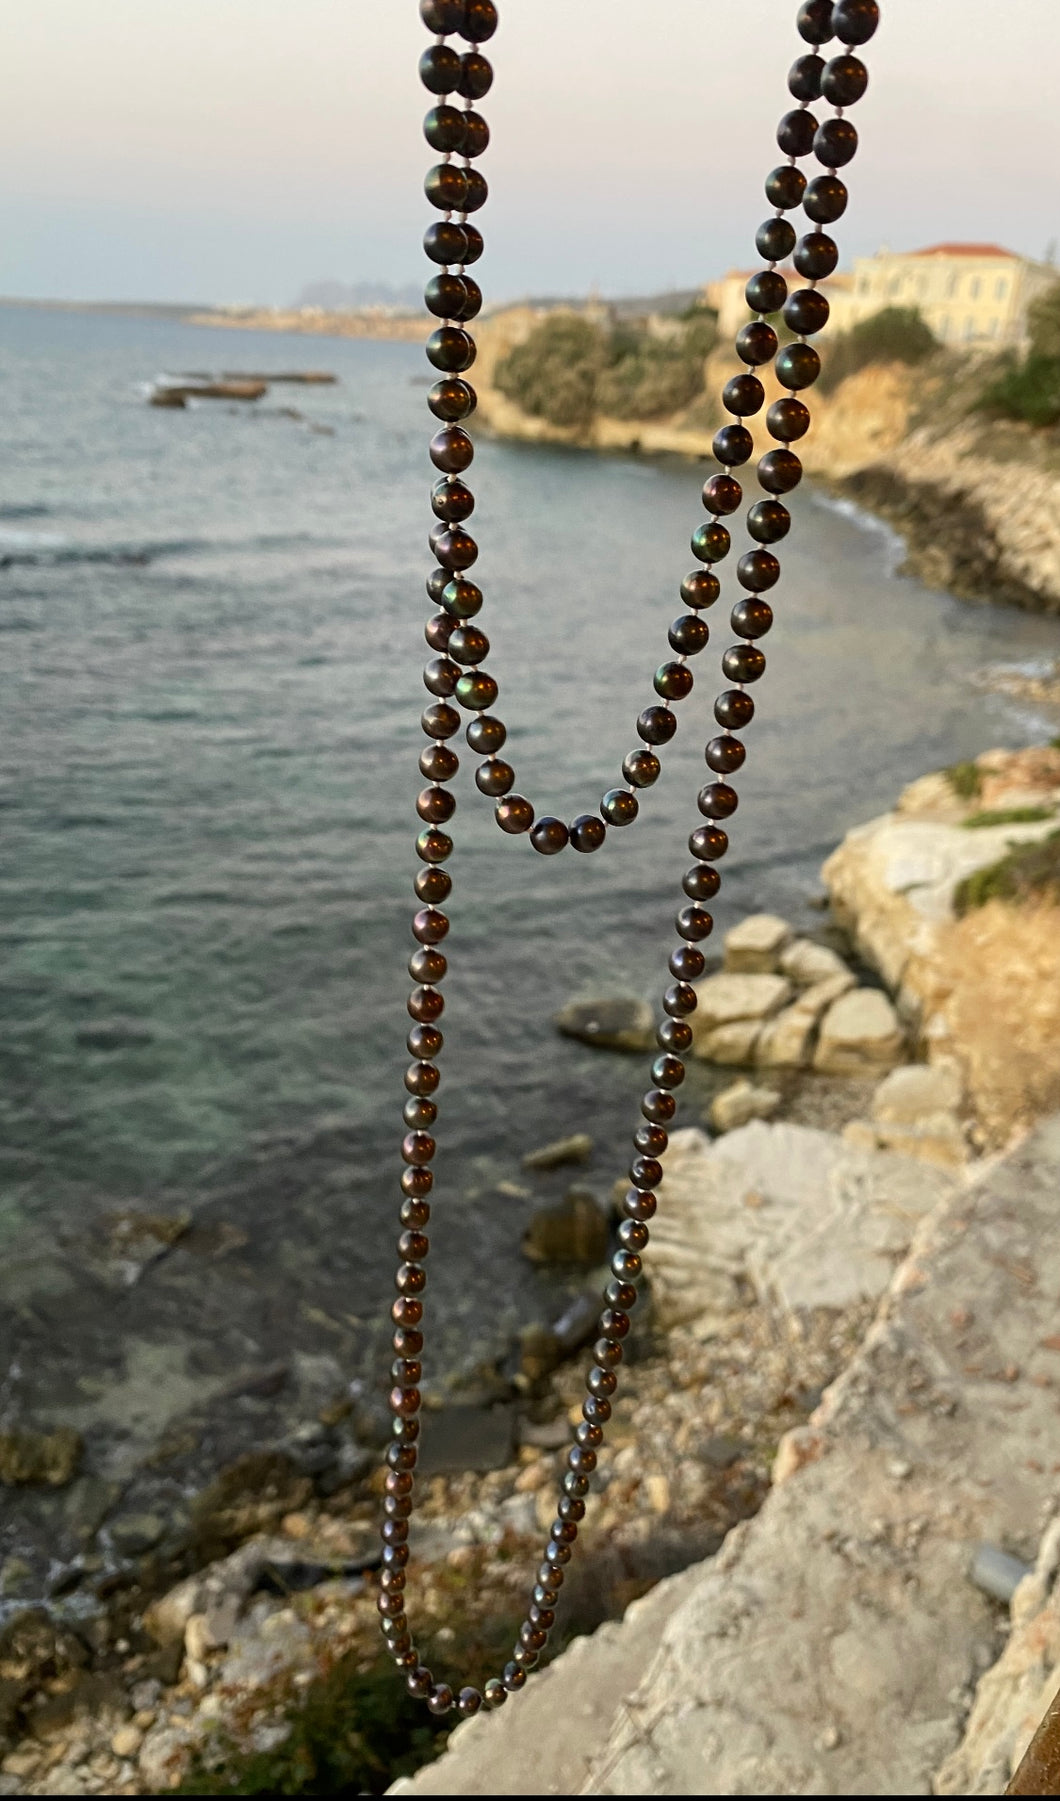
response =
{"points": [[1028, 872]]}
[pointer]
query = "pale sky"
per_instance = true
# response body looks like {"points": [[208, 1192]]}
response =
{"points": [[238, 149]]}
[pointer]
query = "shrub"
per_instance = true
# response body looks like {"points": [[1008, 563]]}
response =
{"points": [[965, 779], [570, 370], [1029, 871], [1043, 317], [897, 334], [1006, 816], [1027, 390], [554, 374]]}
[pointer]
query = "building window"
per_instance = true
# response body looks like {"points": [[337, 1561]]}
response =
{"points": [[951, 287], [992, 327], [969, 328], [1001, 287], [976, 287]]}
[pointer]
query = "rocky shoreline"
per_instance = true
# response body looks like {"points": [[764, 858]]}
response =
{"points": [[976, 500], [857, 1094]]}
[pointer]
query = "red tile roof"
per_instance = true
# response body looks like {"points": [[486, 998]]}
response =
{"points": [[966, 250]]}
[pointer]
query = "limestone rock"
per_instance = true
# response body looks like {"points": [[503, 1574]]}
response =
{"points": [[937, 1139], [828, 1647], [731, 1044], [805, 962], [915, 1092], [807, 1220], [891, 884], [578, 1148], [1013, 1695], [618, 1025], [730, 1014], [724, 998], [754, 946], [787, 1041], [573, 1230], [859, 1033], [738, 1105]]}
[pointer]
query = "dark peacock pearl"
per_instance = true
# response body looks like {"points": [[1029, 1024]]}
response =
{"points": [[766, 291], [779, 471], [844, 81], [756, 342], [806, 311], [816, 255], [722, 493], [855, 21], [804, 77], [795, 136], [798, 365], [815, 21], [768, 521], [825, 200], [700, 589], [785, 186], [788, 419], [451, 399], [775, 238], [835, 143]]}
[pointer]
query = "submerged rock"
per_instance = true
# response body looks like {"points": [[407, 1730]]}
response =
{"points": [[49, 1459], [578, 1148], [573, 1230], [617, 1024]]}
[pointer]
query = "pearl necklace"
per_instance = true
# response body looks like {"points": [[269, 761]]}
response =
{"points": [[457, 189]]}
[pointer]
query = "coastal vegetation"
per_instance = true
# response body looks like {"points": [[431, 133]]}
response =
{"points": [[896, 334], [571, 369], [1028, 872], [1028, 387]]}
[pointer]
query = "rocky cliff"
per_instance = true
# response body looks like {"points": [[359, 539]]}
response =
{"points": [[978, 501]]}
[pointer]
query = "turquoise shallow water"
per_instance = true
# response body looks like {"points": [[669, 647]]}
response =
{"points": [[210, 632]]}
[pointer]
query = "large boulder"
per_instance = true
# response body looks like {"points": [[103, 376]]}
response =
{"points": [[787, 1040], [730, 1014], [915, 1093], [892, 884], [806, 963], [860, 1034], [754, 946], [805, 1219]]}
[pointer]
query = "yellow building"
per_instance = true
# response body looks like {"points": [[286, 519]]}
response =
{"points": [[726, 296], [967, 293], [974, 294]]}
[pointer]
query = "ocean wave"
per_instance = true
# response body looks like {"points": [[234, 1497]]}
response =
{"points": [[46, 550], [28, 511]]}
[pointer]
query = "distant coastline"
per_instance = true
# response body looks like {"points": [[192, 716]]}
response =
{"points": [[363, 322], [319, 322]]}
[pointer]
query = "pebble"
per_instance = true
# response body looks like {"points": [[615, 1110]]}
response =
{"points": [[658, 1494], [126, 1741]]}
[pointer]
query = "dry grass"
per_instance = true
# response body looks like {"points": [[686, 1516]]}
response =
{"points": [[1002, 965]]}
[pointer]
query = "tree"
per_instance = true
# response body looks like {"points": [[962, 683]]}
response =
{"points": [[1043, 317]]}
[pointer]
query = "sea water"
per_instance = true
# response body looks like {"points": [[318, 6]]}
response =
{"points": [[211, 638]]}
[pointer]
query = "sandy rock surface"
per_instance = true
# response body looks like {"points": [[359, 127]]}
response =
{"points": [[833, 1646]]}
